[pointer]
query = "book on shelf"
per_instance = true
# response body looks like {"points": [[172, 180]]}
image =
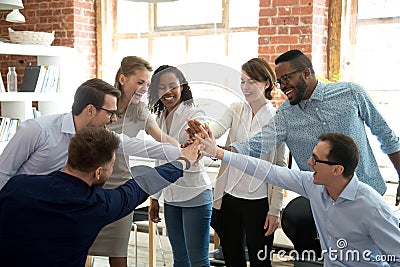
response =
{"points": [[36, 113], [40, 79], [8, 127], [30, 78]]}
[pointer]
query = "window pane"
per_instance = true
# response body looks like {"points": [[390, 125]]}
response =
{"points": [[243, 13], [169, 51], [378, 8], [126, 47], [207, 48], [189, 12], [132, 17], [242, 47], [377, 56]]}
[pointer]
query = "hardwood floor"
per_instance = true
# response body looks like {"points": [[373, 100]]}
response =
{"points": [[143, 254]]}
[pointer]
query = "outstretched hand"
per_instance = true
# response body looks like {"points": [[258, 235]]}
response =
{"points": [[191, 152]]}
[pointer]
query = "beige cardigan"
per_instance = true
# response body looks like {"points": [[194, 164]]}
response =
{"points": [[275, 194]]}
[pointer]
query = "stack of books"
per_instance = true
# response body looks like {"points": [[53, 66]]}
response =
{"points": [[41, 79]]}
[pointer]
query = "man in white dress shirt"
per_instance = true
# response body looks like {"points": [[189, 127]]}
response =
{"points": [[40, 145], [355, 225]]}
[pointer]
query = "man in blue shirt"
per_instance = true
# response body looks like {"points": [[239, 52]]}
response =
{"points": [[314, 107], [52, 220], [355, 225]]}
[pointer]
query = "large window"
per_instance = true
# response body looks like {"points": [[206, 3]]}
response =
{"points": [[370, 57], [179, 32]]}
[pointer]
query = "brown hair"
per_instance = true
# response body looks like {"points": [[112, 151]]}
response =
{"points": [[91, 148], [258, 69]]}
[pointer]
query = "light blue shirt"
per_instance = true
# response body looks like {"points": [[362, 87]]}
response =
{"points": [[358, 223], [341, 107], [40, 146]]}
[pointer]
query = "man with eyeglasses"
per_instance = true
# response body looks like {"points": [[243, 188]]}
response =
{"points": [[313, 107], [355, 225], [40, 145]]}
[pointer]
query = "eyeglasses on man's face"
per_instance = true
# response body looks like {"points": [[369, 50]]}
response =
{"points": [[111, 112], [284, 80], [314, 161]]}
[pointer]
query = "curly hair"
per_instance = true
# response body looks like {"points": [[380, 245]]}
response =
{"points": [[155, 104]]}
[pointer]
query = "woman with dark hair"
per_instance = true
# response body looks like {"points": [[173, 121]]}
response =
{"points": [[248, 210], [131, 79], [187, 206]]}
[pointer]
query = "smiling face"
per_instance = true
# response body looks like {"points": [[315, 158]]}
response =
{"points": [[296, 88], [169, 90], [134, 86], [253, 90], [323, 173]]}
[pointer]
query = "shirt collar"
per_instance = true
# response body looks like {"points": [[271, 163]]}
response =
{"points": [[318, 93], [67, 124], [349, 192]]}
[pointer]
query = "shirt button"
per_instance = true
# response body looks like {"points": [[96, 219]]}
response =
{"points": [[316, 109], [324, 123]]}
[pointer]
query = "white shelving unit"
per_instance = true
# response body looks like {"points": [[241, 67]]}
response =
{"points": [[19, 105]]}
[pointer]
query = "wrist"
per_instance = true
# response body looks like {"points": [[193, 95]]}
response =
{"points": [[219, 153], [185, 162]]}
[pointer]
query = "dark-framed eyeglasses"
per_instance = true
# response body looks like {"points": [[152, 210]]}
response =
{"points": [[284, 80], [111, 112], [314, 161]]}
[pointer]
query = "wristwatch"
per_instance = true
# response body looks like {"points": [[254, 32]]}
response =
{"points": [[186, 161]]}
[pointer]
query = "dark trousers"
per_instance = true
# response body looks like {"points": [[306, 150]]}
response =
{"points": [[240, 223]]}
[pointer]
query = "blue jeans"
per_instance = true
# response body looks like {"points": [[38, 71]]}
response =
{"points": [[188, 229]]}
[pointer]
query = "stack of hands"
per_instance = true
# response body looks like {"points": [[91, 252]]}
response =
{"points": [[201, 135]]}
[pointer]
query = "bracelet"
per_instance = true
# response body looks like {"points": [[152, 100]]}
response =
{"points": [[186, 161]]}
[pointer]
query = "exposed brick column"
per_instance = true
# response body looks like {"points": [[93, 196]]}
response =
{"points": [[293, 24]]}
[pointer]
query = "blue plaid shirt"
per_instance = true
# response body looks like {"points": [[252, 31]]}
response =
{"points": [[342, 107]]}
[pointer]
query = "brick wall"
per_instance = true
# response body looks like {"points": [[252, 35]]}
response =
{"points": [[72, 21], [293, 24]]}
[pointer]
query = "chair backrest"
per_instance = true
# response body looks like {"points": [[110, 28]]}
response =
{"points": [[140, 214], [298, 225]]}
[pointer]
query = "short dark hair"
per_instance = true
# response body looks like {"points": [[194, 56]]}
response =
{"points": [[92, 92], [343, 150], [297, 60], [91, 148], [258, 69], [155, 104]]}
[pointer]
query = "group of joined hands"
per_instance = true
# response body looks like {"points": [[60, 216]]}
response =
{"points": [[200, 142]]}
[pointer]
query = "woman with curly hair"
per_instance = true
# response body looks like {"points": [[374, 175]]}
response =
{"points": [[187, 204]]}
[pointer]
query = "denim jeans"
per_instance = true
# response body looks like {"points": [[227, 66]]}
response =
{"points": [[188, 229]]}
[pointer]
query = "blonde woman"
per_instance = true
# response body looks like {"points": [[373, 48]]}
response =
{"points": [[132, 80]]}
